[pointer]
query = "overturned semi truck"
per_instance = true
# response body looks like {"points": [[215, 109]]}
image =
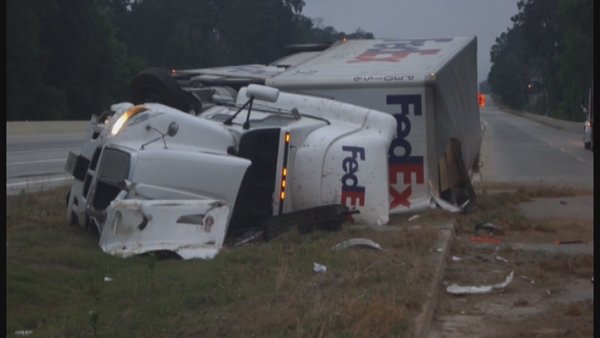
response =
{"points": [[375, 126]]}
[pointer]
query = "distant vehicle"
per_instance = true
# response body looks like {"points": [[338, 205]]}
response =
{"points": [[588, 130]]}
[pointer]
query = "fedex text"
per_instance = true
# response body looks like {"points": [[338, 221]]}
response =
{"points": [[352, 192], [401, 160]]}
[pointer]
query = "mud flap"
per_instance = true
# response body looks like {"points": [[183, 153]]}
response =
{"points": [[189, 228]]}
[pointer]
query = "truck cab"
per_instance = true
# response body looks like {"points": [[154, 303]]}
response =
{"points": [[150, 177]]}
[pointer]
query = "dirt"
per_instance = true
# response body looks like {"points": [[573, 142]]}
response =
{"points": [[551, 294]]}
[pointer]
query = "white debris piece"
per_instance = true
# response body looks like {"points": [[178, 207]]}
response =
{"points": [[357, 241], [502, 259], [457, 289], [457, 259], [319, 267], [413, 217], [107, 279], [23, 332]]}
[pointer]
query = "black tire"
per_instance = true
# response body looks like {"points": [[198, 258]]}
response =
{"points": [[587, 145], [157, 85]]}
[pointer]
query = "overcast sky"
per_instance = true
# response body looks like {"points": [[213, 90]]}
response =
{"points": [[486, 19]]}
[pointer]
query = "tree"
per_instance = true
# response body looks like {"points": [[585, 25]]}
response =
{"points": [[549, 45]]}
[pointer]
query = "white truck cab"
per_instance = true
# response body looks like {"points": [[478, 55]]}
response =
{"points": [[153, 178]]}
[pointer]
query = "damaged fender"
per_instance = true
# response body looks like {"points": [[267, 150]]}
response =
{"points": [[190, 228]]}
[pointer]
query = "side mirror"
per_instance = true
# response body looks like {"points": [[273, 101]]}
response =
{"points": [[172, 129]]}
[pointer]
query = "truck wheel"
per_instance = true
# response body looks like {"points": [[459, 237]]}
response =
{"points": [[157, 85], [588, 145]]}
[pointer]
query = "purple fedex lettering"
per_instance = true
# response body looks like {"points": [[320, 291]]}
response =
{"points": [[404, 164], [350, 189], [394, 51]]}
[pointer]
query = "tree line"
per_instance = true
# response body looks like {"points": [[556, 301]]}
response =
{"points": [[544, 62], [68, 59]]}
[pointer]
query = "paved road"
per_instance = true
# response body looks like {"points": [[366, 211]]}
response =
{"points": [[516, 149], [35, 159]]}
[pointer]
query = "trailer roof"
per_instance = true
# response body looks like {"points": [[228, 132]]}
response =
{"points": [[376, 62]]}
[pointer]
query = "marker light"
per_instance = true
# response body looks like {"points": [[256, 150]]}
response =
{"points": [[283, 183], [123, 118], [288, 137]]}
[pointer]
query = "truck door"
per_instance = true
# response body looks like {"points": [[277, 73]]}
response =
{"points": [[255, 197]]}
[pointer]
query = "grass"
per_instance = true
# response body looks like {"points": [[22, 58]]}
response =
{"points": [[55, 283], [497, 203]]}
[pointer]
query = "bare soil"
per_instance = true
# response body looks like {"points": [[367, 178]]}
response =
{"points": [[551, 294]]}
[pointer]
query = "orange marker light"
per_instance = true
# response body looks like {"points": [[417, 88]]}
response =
{"points": [[282, 196], [288, 137], [284, 172]]}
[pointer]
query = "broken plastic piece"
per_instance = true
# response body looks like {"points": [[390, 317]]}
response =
{"points": [[457, 259], [357, 241], [249, 238], [457, 289], [486, 239], [319, 267], [502, 259], [23, 332], [490, 227], [413, 217]]}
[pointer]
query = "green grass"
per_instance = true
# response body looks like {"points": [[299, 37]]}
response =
{"points": [[55, 283]]}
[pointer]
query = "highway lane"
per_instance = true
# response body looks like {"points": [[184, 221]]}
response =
{"points": [[36, 160], [516, 149]]}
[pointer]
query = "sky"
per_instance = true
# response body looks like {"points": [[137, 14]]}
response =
{"points": [[486, 19]]}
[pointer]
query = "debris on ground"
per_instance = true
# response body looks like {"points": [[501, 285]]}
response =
{"points": [[488, 227], [457, 259], [413, 217], [319, 267], [502, 259], [457, 289], [249, 237], [486, 239], [107, 279], [23, 332], [357, 242]]}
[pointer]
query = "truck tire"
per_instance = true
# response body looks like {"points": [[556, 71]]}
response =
{"points": [[157, 85], [587, 145]]}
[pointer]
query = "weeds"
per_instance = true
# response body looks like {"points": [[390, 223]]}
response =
{"points": [[55, 277]]}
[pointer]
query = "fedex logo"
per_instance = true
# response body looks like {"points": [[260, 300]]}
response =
{"points": [[400, 159], [394, 51], [352, 192]]}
